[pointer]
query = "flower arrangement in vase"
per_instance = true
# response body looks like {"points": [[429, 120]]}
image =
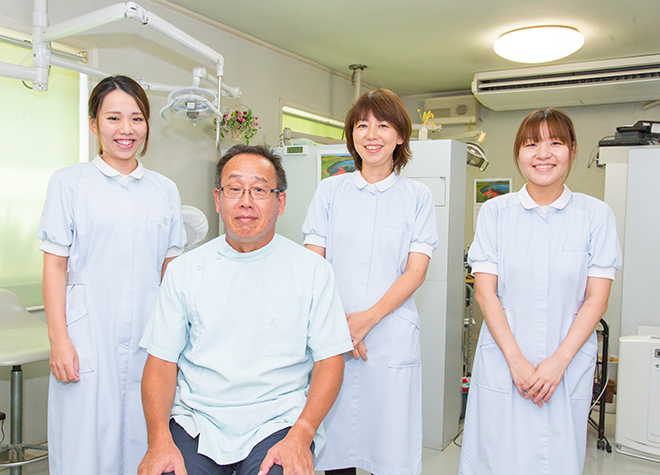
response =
{"points": [[241, 123]]}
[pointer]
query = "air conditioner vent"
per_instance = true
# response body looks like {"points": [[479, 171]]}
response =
{"points": [[597, 82], [576, 77]]}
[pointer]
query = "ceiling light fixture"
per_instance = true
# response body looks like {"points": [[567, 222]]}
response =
{"points": [[539, 44]]}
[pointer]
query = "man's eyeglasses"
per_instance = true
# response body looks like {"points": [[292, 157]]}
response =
{"points": [[257, 192]]}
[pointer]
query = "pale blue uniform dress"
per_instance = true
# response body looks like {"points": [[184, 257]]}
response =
{"points": [[542, 257], [116, 231], [245, 330], [367, 231]]}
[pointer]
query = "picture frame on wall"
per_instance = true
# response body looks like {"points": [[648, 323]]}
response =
{"points": [[331, 163], [486, 189]]}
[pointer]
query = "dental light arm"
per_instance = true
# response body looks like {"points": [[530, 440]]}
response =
{"points": [[229, 91], [131, 10], [42, 59], [77, 67], [42, 35]]}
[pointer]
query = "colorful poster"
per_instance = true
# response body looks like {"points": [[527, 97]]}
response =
{"points": [[332, 163]]}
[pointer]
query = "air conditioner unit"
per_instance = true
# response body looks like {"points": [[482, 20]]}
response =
{"points": [[633, 79], [453, 110]]}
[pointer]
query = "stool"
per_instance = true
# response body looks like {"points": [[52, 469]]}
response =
{"points": [[23, 339]]}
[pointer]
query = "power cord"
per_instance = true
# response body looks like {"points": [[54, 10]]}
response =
{"points": [[3, 416], [456, 438]]}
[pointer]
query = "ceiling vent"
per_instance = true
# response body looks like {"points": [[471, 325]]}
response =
{"points": [[634, 79], [453, 110]]}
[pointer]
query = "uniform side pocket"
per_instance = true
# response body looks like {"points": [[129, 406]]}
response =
{"points": [[79, 329], [579, 376], [491, 370], [405, 339]]}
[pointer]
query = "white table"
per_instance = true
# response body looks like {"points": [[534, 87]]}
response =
{"points": [[23, 339]]}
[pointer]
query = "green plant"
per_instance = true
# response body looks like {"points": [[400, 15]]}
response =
{"points": [[240, 123]]}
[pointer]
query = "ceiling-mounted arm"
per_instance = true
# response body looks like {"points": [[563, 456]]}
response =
{"points": [[78, 67], [42, 35], [131, 10], [82, 23]]}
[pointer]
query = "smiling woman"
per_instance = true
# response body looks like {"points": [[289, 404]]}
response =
{"points": [[543, 259], [122, 129], [378, 230], [108, 229]]}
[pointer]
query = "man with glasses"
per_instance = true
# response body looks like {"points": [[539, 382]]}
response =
{"points": [[238, 326]]}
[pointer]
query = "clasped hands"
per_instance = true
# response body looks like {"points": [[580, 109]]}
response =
{"points": [[359, 324], [537, 384]]}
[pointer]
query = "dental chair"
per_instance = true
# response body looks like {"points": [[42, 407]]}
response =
{"points": [[23, 339]]}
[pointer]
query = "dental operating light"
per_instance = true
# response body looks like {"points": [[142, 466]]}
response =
{"points": [[191, 103]]}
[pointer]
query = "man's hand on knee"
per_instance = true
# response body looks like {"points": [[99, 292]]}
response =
{"points": [[162, 458], [293, 454]]}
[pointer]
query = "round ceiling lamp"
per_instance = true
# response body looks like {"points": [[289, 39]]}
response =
{"points": [[539, 44]]}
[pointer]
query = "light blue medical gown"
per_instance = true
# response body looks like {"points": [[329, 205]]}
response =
{"points": [[368, 231], [245, 329], [116, 232], [542, 261]]}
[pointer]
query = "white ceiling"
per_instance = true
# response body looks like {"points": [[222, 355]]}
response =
{"points": [[430, 46]]}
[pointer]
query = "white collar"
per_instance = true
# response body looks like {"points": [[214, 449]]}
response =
{"points": [[381, 186], [108, 171], [529, 203]]}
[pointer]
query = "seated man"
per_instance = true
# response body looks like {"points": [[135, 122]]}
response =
{"points": [[244, 319]]}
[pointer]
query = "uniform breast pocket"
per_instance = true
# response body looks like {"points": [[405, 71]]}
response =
{"points": [[405, 339], [571, 262], [158, 233], [286, 334], [575, 246], [491, 370], [579, 376], [397, 238], [79, 327]]}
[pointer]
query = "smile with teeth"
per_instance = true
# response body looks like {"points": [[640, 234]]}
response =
{"points": [[125, 142], [543, 167], [373, 147]]}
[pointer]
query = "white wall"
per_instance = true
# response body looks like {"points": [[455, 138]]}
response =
{"points": [[178, 149], [591, 124]]}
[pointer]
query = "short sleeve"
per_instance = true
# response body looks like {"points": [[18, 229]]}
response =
{"points": [[327, 333], [166, 334], [483, 251], [604, 246], [425, 232], [56, 223], [315, 227], [177, 237]]}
